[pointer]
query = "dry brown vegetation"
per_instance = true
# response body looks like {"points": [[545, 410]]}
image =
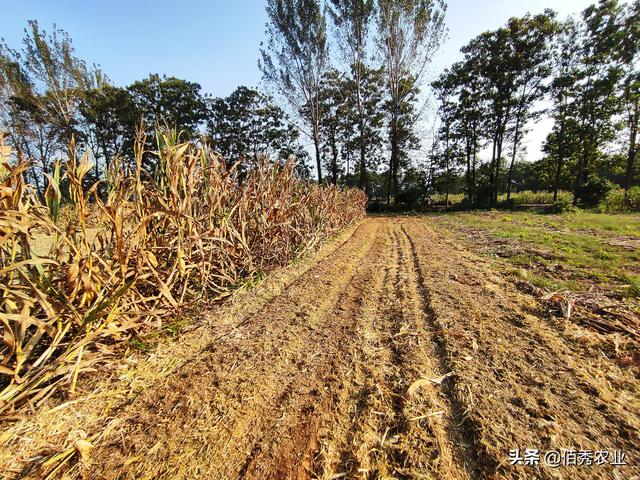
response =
{"points": [[394, 352], [147, 254]]}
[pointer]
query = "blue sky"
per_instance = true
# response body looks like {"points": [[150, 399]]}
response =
{"points": [[215, 42]]}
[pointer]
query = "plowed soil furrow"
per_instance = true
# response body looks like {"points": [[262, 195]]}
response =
{"points": [[446, 417], [398, 354], [348, 436], [226, 403], [392, 418], [290, 454]]}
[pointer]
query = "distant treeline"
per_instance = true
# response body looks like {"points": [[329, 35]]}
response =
{"points": [[49, 96], [588, 70], [346, 76]]}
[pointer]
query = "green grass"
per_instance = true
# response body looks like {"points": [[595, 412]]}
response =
{"points": [[570, 250]]}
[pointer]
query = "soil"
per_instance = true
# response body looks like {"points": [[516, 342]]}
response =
{"points": [[394, 352]]}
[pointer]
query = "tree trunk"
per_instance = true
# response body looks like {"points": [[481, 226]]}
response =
{"points": [[582, 165], [393, 160], [560, 161], [363, 167], [316, 144], [631, 155], [496, 178], [492, 168], [513, 158], [447, 169], [468, 171], [363, 182], [348, 160], [474, 178], [334, 161]]}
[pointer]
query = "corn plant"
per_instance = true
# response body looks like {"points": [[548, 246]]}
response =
{"points": [[162, 243]]}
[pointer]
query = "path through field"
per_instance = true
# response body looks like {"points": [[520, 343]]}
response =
{"points": [[396, 353]]}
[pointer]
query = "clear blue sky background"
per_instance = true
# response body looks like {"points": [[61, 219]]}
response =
{"points": [[215, 42]]}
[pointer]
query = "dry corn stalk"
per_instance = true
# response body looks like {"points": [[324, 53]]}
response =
{"points": [[160, 244]]}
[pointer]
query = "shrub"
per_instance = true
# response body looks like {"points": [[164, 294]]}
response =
{"points": [[455, 199], [594, 191], [615, 201], [528, 197]]}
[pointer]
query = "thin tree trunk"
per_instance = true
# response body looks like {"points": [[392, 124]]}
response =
{"points": [[316, 144], [513, 157], [392, 163], [468, 171], [364, 183], [631, 156], [560, 161], [492, 169], [348, 160], [363, 167], [474, 178], [334, 161], [496, 179], [582, 165], [447, 169]]}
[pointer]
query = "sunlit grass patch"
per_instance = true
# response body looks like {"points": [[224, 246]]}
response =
{"points": [[570, 250]]}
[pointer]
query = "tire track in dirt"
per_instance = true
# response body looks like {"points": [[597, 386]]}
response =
{"points": [[462, 431], [212, 417], [383, 427], [291, 457]]}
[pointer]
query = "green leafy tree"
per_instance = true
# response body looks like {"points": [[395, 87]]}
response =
{"points": [[342, 131], [461, 109], [247, 123], [531, 63], [41, 87], [409, 32], [336, 128], [630, 62], [451, 134], [597, 102], [562, 143], [353, 19], [168, 100], [109, 120], [295, 59]]}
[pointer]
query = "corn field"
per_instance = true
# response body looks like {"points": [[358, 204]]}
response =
{"points": [[159, 247]]}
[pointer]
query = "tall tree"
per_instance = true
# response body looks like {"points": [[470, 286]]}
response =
{"points": [[562, 142], [109, 121], [353, 19], [170, 100], [445, 92], [295, 59], [409, 32], [246, 124], [531, 37], [630, 61], [340, 126], [166, 102], [459, 91], [42, 86], [336, 124], [597, 82]]}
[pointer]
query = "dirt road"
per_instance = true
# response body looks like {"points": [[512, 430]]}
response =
{"points": [[393, 353]]}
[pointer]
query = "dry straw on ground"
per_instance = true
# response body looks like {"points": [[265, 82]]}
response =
{"points": [[152, 250]]}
